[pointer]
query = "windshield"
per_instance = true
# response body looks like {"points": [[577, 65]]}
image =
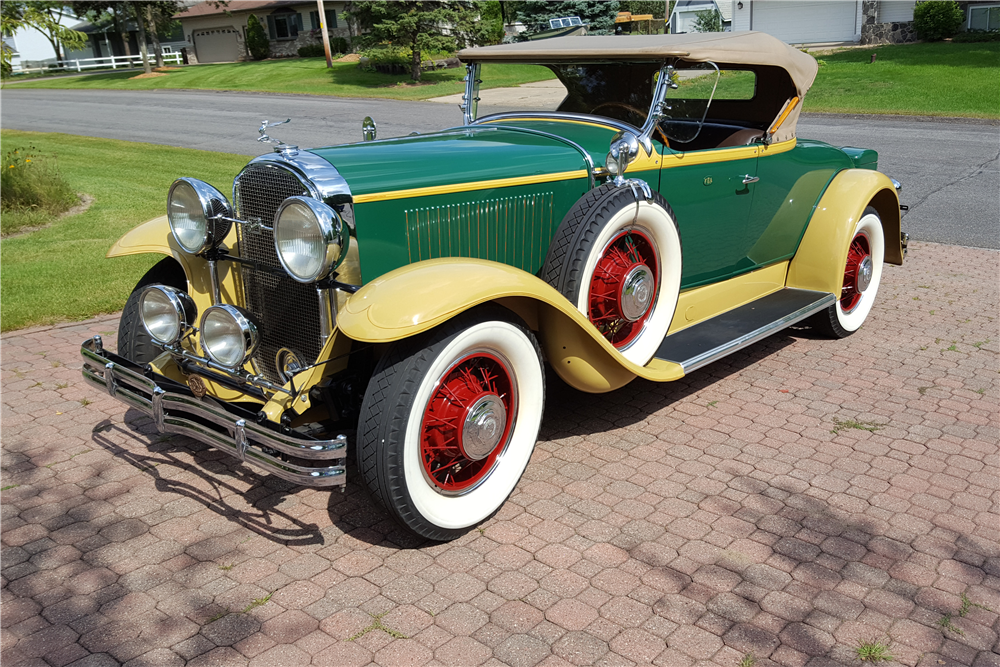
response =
{"points": [[624, 91]]}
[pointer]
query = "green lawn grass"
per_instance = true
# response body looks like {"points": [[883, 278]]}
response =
{"points": [[936, 79], [305, 76], [60, 272]]}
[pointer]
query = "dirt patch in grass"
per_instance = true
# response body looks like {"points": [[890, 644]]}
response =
{"points": [[167, 69], [147, 76], [85, 202], [349, 58]]}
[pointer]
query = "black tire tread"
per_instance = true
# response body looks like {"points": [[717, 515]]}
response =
{"points": [[386, 409], [575, 236], [133, 342]]}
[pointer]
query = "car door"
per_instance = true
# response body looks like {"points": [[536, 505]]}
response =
{"points": [[711, 193]]}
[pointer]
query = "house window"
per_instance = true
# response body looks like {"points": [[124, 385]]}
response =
{"points": [[284, 24], [331, 19], [984, 18]]}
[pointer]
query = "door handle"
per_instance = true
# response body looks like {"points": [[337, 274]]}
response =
{"points": [[748, 179]]}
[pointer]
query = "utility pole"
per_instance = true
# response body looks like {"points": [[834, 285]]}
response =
{"points": [[322, 29]]}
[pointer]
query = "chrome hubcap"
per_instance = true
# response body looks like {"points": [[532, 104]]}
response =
{"points": [[865, 269], [637, 293], [485, 424]]}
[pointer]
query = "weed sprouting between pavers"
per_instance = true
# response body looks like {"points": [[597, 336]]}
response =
{"points": [[873, 650], [947, 626], [749, 660], [841, 424], [257, 602], [377, 624], [968, 604]]}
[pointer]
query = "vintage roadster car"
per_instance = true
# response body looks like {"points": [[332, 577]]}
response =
{"points": [[401, 295]]}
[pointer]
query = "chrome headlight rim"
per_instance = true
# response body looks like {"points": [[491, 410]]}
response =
{"points": [[333, 231], [183, 308], [213, 204], [249, 335]]}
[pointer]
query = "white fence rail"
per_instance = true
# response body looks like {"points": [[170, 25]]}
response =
{"points": [[114, 62]]}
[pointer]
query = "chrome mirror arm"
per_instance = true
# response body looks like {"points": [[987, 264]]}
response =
{"points": [[664, 82]]}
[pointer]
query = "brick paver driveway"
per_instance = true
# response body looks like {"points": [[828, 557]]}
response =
{"points": [[791, 501]]}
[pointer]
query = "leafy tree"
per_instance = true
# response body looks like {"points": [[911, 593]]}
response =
{"points": [[935, 20], [490, 24], [40, 16], [417, 26], [257, 42], [598, 14], [708, 21]]}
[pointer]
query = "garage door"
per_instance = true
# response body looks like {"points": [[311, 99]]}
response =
{"points": [[807, 22], [217, 45]]}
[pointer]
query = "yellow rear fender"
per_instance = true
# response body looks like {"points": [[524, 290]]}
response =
{"points": [[420, 296], [819, 262]]}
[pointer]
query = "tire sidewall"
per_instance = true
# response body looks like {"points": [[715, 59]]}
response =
{"points": [[658, 225], [871, 226]]}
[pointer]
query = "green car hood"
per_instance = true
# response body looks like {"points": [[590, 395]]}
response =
{"points": [[459, 155]]}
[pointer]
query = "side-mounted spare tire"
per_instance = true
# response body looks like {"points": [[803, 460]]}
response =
{"points": [[134, 342], [617, 257]]}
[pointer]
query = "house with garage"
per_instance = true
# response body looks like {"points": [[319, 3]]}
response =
{"points": [[218, 34]]}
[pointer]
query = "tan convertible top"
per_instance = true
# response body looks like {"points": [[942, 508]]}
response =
{"points": [[735, 48]]}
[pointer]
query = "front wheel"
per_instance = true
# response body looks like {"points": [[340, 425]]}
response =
{"points": [[862, 276], [450, 420]]}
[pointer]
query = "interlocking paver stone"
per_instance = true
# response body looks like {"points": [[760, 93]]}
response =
{"points": [[673, 525]]}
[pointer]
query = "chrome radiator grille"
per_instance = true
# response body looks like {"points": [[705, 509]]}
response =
{"points": [[287, 310]]}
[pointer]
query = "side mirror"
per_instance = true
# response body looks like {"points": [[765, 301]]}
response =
{"points": [[624, 149], [368, 129]]}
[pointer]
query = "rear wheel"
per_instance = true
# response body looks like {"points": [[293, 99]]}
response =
{"points": [[449, 422], [134, 342], [862, 276]]}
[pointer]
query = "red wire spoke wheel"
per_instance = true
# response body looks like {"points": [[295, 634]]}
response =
{"points": [[857, 273], [623, 288], [467, 422]]}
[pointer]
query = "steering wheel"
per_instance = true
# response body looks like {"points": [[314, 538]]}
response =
{"points": [[631, 109]]}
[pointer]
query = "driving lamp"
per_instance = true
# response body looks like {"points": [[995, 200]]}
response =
{"points": [[228, 335], [192, 209], [310, 238], [166, 313]]}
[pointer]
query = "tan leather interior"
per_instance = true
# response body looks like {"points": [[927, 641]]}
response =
{"points": [[741, 138]]}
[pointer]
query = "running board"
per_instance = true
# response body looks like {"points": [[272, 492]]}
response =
{"points": [[723, 334]]}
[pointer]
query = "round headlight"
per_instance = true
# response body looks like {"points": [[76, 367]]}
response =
{"points": [[228, 336], [192, 206], [611, 164], [310, 238], [165, 313]]}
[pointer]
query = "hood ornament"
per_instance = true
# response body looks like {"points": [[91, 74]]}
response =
{"points": [[280, 146]]}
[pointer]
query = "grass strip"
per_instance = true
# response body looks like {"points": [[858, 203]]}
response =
{"points": [[60, 273], [304, 76], [935, 79]]}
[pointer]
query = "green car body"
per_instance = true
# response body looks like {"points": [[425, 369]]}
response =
{"points": [[407, 290]]}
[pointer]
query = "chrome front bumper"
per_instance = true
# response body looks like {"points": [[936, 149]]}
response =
{"points": [[180, 412]]}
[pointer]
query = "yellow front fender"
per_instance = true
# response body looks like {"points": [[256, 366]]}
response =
{"points": [[819, 262], [420, 296]]}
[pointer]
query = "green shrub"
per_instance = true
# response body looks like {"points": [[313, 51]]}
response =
{"points": [[977, 36], [339, 45], [257, 42], [935, 20], [32, 191], [312, 51], [388, 59]]}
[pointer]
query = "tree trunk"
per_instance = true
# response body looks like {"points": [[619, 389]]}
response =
{"points": [[157, 49], [415, 64], [140, 21], [121, 23]]}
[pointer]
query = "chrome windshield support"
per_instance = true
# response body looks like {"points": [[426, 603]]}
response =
{"points": [[470, 100], [664, 82]]}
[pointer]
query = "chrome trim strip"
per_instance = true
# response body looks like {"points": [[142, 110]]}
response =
{"points": [[327, 314], [746, 340], [586, 156], [561, 115], [177, 413]]}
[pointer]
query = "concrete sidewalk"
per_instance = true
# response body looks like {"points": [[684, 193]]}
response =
{"points": [[790, 501]]}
